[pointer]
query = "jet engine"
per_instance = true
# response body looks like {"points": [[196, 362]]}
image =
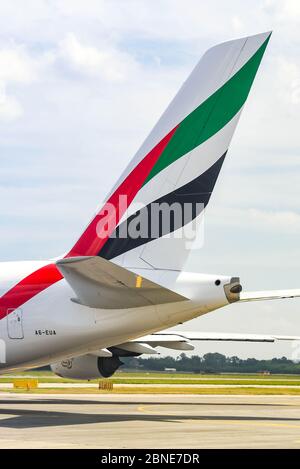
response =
{"points": [[87, 367]]}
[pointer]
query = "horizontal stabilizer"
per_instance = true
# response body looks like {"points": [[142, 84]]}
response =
{"points": [[269, 295], [99, 283]]}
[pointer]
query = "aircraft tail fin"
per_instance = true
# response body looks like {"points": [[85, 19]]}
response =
{"points": [[177, 166]]}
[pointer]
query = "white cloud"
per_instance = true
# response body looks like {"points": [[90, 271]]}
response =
{"points": [[16, 66], [288, 9], [107, 62], [289, 76], [10, 108], [283, 221], [238, 24], [255, 219]]}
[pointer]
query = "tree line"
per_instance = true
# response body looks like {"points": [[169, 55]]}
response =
{"points": [[213, 363]]}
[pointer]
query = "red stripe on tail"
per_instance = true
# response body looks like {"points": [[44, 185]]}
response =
{"points": [[89, 244]]}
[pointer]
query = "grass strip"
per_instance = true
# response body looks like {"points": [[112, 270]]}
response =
{"points": [[167, 390]]}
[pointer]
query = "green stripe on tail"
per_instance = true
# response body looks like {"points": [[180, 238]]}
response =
{"points": [[212, 115]]}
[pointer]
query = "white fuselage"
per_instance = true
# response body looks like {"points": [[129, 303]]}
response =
{"points": [[50, 326]]}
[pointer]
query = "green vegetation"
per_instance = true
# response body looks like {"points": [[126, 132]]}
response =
{"points": [[218, 374], [170, 379], [218, 381], [163, 390], [214, 363], [164, 383]]}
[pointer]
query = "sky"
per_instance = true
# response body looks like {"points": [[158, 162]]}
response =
{"points": [[82, 82]]}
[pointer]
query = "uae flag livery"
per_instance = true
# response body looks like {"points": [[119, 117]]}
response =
{"points": [[179, 162], [176, 168]]}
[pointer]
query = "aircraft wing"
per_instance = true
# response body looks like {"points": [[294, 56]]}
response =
{"points": [[182, 340]]}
